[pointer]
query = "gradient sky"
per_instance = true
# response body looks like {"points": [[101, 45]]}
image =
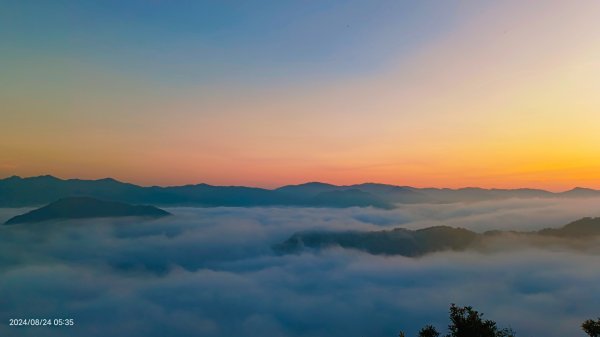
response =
{"points": [[266, 93]]}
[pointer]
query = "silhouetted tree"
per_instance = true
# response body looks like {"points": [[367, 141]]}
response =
{"points": [[466, 322], [591, 327], [429, 331]]}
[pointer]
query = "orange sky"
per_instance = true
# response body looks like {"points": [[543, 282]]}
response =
{"points": [[504, 96]]}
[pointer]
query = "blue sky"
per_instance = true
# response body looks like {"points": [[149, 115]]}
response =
{"points": [[198, 41]]}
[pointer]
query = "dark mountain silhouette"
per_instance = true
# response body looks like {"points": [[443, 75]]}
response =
{"points": [[471, 194], [395, 194], [398, 241], [83, 208], [15, 192], [34, 191], [405, 242], [580, 192], [348, 198], [306, 190], [382, 194], [582, 228]]}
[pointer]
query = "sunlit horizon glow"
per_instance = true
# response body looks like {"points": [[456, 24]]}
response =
{"points": [[427, 94]]}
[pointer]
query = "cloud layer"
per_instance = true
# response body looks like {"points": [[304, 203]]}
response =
{"points": [[211, 272]]}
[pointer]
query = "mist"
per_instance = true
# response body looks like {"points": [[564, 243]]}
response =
{"points": [[212, 272]]}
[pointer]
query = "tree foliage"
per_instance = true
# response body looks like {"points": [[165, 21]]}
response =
{"points": [[429, 331], [591, 327], [467, 322]]}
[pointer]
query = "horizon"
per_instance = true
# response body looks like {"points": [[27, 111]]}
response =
{"points": [[297, 184]]}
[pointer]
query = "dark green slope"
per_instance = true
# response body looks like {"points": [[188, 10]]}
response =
{"points": [[398, 241], [85, 208], [407, 242], [582, 228]]}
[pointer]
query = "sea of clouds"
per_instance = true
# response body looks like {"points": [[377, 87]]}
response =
{"points": [[212, 272]]}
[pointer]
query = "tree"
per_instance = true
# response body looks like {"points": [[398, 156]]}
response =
{"points": [[591, 327], [429, 331], [466, 322]]}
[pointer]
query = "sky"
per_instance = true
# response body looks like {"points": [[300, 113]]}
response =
{"points": [[268, 93]]}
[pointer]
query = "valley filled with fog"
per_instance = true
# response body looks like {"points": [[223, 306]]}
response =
{"points": [[213, 272]]}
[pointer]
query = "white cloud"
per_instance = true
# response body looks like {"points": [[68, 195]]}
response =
{"points": [[210, 272]]}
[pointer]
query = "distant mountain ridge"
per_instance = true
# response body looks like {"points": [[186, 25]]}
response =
{"points": [[582, 228], [412, 243], [397, 241], [17, 192], [85, 208]]}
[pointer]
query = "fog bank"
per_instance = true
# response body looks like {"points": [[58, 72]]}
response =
{"points": [[211, 272]]}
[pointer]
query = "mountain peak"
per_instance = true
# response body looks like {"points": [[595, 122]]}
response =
{"points": [[108, 180], [581, 191], [579, 188], [314, 184], [85, 208], [45, 177], [12, 178]]}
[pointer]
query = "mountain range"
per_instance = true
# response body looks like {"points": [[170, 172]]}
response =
{"points": [[406, 242], [34, 191]]}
